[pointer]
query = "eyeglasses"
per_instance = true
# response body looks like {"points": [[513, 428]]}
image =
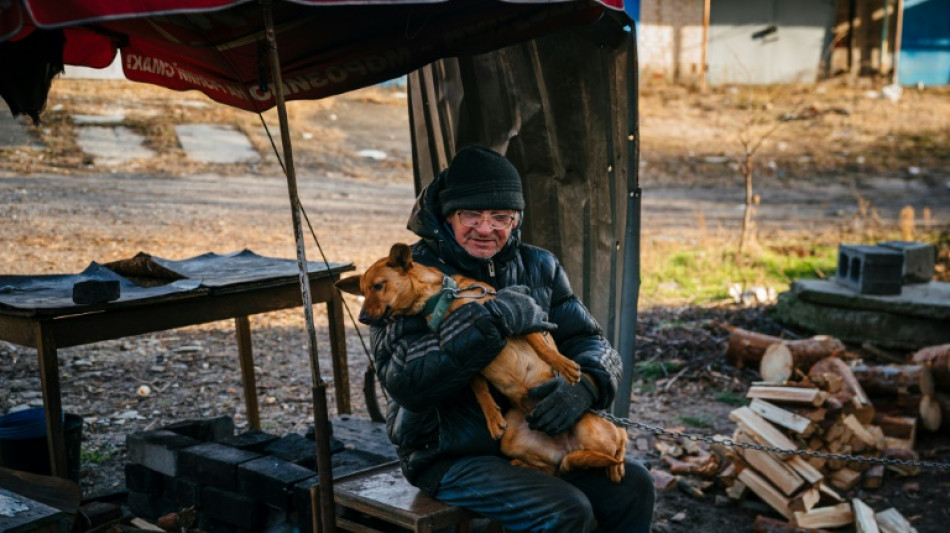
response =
{"points": [[473, 219]]}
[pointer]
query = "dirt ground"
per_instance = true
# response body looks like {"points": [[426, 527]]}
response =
{"points": [[841, 156]]}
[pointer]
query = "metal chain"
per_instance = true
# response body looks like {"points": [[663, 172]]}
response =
{"points": [[709, 439]]}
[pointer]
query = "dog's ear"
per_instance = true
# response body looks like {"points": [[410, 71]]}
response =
{"points": [[400, 256], [349, 284]]}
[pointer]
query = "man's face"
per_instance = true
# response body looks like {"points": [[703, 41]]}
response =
{"points": [[483, 233]]}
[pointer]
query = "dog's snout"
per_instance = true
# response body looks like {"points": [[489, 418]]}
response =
{"points": [[365, 318]]}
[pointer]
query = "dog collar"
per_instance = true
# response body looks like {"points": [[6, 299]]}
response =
{"points": [[438, 305]]}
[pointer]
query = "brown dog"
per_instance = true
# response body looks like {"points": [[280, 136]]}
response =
{"points": [[395, 286]]}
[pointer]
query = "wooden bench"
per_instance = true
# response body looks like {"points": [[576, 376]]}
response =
{"points": [[383, 493]]}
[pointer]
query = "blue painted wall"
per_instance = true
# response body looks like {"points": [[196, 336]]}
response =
{"points": [[925, 43]]}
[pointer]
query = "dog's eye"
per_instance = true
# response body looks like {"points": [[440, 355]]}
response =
{"points": [[378, 286]]}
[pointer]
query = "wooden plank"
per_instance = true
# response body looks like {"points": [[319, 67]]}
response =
{"points": [[782, 417], [760, 429], [809, 396], [764, 490], [864, 521], [834, 516], [892, 521]]}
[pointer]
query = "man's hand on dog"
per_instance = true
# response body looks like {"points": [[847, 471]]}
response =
{"points": [[560, 405], [514, 312]]}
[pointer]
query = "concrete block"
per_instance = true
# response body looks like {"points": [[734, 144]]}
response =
{"points": [[363, 434], [296, 449], [183, 492], [269, 479], [238, 510], [96, 291], [212, 464], [206, 429], [140, 478], [870, 269], [920, 259], [253, 441], [158, 450]]}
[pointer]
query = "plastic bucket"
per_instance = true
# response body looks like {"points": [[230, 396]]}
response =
{"points": [[23, 442]]}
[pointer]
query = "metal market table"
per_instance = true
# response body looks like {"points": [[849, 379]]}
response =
{"points": [[48, 328]]}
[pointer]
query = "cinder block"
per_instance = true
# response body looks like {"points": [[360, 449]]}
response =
{"points": [[183, 492], [920, 259], [212, 464], [157, 450], [206, 429], [870, 269], [296, 449], [140, 478], [238, 510], [254, 440], [269, 479]]}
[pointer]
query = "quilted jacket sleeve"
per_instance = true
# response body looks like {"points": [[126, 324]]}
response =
{"points": [[420, 368], [579, 337]]}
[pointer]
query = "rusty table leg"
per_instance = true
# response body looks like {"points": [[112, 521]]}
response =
{"points": [[341, 369], [246, 356], [52, 402]]}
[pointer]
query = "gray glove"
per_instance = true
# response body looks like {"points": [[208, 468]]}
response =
{"points": [[561, 404], [514, 312]]}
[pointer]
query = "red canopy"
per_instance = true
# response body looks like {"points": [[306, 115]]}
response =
{"points": [[326, 46]]}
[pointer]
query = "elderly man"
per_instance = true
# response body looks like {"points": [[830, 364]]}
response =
{"points": [[469, 221]]}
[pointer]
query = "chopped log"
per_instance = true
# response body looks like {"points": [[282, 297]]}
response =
{"points": [[943, 402], [736, 491], [811, 474], [851, 391], [901, 427], [766, 492], [844, 479], [867, 437], [899, 444], [781, 360], [805, 500], [902, 455], [931, 416], [809, 396], [864, 521], [784, 477], [783, 418], [938, 359], [834, 516], [663, 481], [891, 380], [815, 414], [690, 488], [765, 524], [759, 429], [727, 474], [707, 467], [746, 347], [873, 477], [830, 492], [892, 521]]}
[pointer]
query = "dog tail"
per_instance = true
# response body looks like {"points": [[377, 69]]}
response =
{"points": [[579, 459]]}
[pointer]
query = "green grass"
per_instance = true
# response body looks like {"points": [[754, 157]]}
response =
{"points": [[698, 421], [730, 398], [651, 370], [94, 457], [703, 272]]}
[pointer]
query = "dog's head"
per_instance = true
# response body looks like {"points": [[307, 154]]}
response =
{"points": [[391, 286]]}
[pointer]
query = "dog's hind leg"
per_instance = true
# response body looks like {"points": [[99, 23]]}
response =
{"points": [[495, 421], [548, 353], [579, 459]]}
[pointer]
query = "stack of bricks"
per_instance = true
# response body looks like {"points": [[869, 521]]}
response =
{"points": [[253, 481]]}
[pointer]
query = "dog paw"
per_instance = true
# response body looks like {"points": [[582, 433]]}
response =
{"points": [[497, 428], [569, 370], [615, 473]]}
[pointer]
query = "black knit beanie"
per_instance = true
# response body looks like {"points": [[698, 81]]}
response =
{"points": [[479, 178]]}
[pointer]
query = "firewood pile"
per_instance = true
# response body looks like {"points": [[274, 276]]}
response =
{"points": [[816, 396]]}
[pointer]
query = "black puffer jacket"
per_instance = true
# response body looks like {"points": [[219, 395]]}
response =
{"points": [[433, 417]]}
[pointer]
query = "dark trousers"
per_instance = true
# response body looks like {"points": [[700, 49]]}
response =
{"points": [[521, 499]]}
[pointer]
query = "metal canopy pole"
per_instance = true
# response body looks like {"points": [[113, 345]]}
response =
{"points": [[321, 422], [630, 287]]}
